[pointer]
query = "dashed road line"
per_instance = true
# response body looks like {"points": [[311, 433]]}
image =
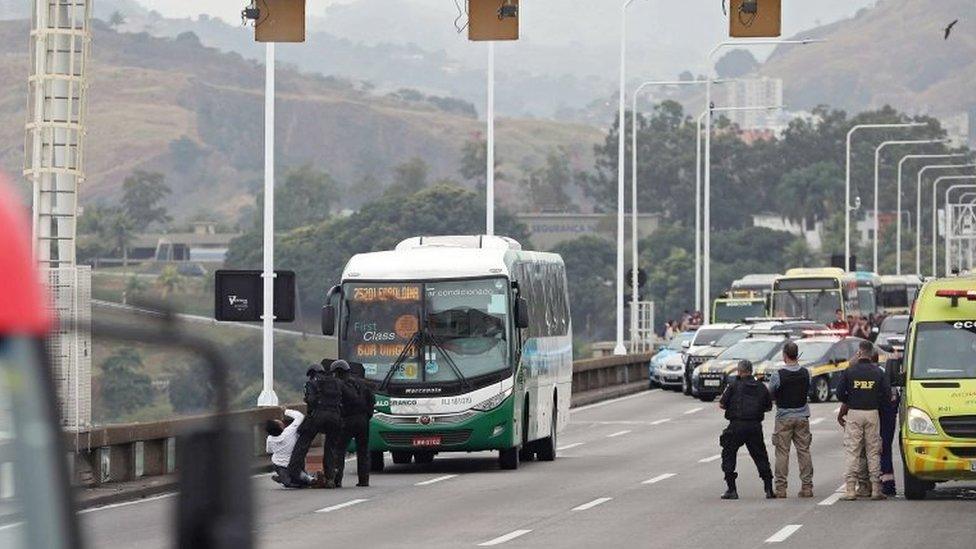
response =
{"points": [[435, 480], [832, 498], [125, 503], [842, 487], [660, 421], [11, 525], [817, 421], [612, 401], [693, 410], [592, 504], [658, 478], [618, 433], [502, 539], [710, 459], [341, 506], [784, 533], [837, 409], [569, 446]]}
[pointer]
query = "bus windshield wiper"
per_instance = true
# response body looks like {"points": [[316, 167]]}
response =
{"points": [[415, 340], [435, 343], [419, 340]]}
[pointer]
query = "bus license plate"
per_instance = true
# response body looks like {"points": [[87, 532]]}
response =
{"points": [[713, 382], [427, 441]]}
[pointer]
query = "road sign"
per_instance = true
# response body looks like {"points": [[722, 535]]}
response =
{"points": [[755, 18], [280, 21], [493, 20], [239, 296]]}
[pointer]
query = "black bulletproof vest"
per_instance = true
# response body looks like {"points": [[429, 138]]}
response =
{"points": [[793, 388], [329, 397]]}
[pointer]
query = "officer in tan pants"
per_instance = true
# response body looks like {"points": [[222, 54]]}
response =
{"points": [[862, 390], [790, 387]]}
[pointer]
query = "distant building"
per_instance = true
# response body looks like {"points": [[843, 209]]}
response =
{"points": [[813, 235], [547, 230], [756, 92], [958, 129], [204, 244]]}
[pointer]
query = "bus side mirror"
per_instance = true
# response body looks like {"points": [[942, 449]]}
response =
{"points": [[521, 313], [328, 320]]}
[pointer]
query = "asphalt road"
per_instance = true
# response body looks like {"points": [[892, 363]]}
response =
{"points": [[638, 471]]}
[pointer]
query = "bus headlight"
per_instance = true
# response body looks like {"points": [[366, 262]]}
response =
{"points": [[493, 402], [920, 423]]}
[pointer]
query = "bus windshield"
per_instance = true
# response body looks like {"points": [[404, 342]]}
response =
{"points": [[944, 350], [894, 296], [737, 311], [867, 298], [815, 305], [466, 323]]}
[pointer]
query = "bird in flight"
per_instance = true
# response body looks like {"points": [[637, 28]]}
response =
{"points": [[948, 30]]}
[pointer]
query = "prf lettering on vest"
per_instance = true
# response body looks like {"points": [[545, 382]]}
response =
{"points": [[864, 385]]}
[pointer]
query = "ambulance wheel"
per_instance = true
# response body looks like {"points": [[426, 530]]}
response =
{"points": [[508, 459], [821, 390], [423, 457], [915, 488], [709, 398], [376, 462], [401, 458]]}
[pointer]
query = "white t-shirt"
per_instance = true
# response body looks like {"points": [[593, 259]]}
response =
{"points": [[280, 447]]}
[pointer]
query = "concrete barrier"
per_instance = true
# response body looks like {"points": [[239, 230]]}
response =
{"points": [[128, 452]]}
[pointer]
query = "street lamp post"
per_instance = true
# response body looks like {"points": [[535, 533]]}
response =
{"points": [[847, 181], [698, 194], [935, 227], [619, 348], [490, 146], [918, 207], [268, 396], [633, 202], [948, 228], [901, 166], [707, 245], [877, 170]]}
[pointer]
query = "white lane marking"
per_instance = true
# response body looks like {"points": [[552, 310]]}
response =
{"points": [[125, 504], [660, 421], [710, 459], [832, 498], [816, 421], [568, 446], [435, 480], [11, 525], [842, 487], [618, 433], [693, 410], [837, 409], [502, 539], [784, 533], [592, 504], [658, 478], [613, 401], [341, 506]]}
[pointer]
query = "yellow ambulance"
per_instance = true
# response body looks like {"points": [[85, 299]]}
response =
{"points": [[938, 410]]}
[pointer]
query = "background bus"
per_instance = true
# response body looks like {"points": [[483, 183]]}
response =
{"points": [[468, 340], [737, 309], [898, 293], [758, 285], [815, 294], [868, 293]]}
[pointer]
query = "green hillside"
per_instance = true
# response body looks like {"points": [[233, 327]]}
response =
{"points": [[196, 114]]}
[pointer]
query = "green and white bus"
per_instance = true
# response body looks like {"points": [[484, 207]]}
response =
{"points": [[468, 342]]}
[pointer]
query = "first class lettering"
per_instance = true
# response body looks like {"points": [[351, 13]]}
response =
{"points": [[386, 293]]}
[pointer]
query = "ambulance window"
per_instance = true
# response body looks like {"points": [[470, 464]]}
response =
{"points": [[944, 350]]}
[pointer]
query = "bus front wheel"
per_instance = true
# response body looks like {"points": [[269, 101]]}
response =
{"points": [[401, 458], [508, 459], [546, 450]]}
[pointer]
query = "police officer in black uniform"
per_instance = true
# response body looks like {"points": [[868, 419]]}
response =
{"points": [[323, 395], [358, 401], [745, 402]]}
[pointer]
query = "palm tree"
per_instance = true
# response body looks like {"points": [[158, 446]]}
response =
{"points": [[169, 280], [132, 286]]}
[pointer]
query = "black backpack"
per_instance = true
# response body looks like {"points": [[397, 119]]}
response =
{"points": [[328, 394]]}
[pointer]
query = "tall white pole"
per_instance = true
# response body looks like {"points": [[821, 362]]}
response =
{"points": [[918, 208], [935, 215], [490, 174], [901, 167], [707, 207], [268, 396], [633, 228], [950, 223], [698, 212], [619, 348]]}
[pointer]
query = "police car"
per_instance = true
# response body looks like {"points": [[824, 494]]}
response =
{"points": [[711, 378], [826, 353], [708, 343]]}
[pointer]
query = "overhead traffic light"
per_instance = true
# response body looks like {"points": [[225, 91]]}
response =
{"points": [[277, 20], [755, 18], [493, 20]]}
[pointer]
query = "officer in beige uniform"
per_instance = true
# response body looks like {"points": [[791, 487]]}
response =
{"points": [[790, 387], [863, 388]]}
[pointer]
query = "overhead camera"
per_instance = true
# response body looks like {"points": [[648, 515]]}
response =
{"points": [[508, 10], [750, 7], [251, 12]]}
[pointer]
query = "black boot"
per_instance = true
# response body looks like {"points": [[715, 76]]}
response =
{"points": [[768, 486], [731, 492]]}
